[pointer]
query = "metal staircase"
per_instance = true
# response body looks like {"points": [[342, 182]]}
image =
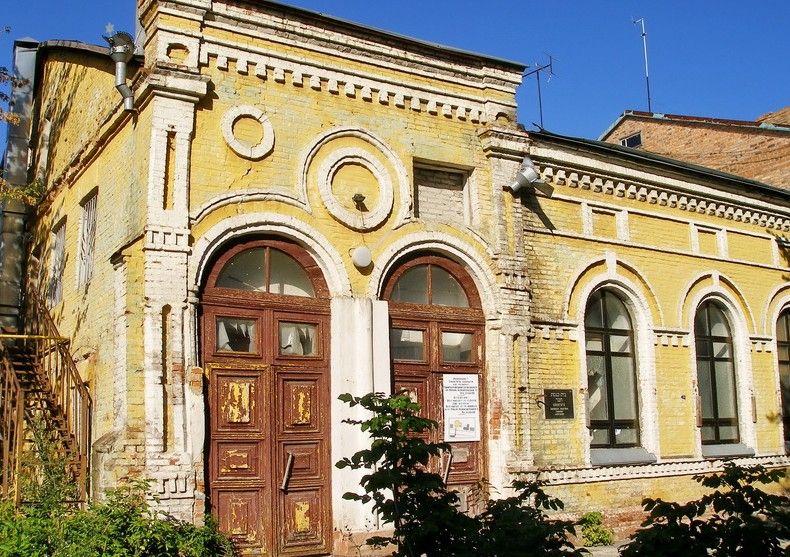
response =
{"points": [[43, 402]]}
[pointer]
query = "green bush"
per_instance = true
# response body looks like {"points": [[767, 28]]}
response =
{"points": [[122, 526], [736, 520], [424, 515], [593, 530]]}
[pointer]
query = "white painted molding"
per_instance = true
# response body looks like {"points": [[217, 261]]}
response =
{"points": [[241, 148], [280, 195]]}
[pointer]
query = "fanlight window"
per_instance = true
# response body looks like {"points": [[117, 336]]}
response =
{"points": [[716, 375], [266, 269], [430, 285], [611, 375]]}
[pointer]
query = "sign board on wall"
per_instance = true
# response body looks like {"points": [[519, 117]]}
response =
{"points": [[559, 404], [461, 407]]}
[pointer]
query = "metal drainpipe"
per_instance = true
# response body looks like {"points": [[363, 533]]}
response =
{"points": [[121, 51]]}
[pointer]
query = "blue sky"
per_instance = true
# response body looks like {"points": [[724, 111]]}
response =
{"points": [[722, 58]]}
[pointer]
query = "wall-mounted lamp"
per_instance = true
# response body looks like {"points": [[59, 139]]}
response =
{"points": [[361, 257], [528, 176]]}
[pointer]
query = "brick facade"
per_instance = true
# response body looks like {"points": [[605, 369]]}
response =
{"points": [[267, 122]]}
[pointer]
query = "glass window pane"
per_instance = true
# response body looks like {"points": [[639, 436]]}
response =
{"points": [[236, 335], [701, 322], [728, 433], [718, 323], [705, 388], [620, 343], [593, 316], [616, 314], [298, 339], [708, 433], [725, 390], [407, 344], [286, 276], [625, 436], [784, 377], [412, 286], [445, 290], [599, 437], [784, 352], [596, 380], [623, 388], [457, 347], [721, 349], [244, 271], [782, 326], [703, 348], [594, 342]]}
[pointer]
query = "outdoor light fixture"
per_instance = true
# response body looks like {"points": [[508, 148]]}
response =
{"points": [[361, 257], [528, 176]]}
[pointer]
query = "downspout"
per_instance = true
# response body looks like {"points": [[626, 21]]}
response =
{"points": [[121, 51], [13, 213]]}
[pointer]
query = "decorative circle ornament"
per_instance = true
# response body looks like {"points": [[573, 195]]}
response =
{"points": [[359, 218], [243, 148]]}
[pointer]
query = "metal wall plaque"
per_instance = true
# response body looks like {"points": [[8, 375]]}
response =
{"points": [[558, 404]]}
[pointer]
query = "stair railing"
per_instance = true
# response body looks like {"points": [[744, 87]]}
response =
{"points": [[12, 416], [53, 360]]}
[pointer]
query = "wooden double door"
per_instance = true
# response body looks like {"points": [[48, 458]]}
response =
{"points": [[269, 425]]}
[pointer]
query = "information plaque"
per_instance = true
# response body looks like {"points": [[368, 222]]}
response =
{"points": [[558, 404]]}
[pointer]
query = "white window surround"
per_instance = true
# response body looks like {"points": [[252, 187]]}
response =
{"points": [[741, 345], [644, 362]]}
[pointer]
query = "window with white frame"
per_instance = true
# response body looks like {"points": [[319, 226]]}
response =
{"points": [[611, 372], [718, 405], [783, 355], [58, 260], [87, 240]]}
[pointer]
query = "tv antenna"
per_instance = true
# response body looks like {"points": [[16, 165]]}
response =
{"points": [[641, 20], [539, 68]]}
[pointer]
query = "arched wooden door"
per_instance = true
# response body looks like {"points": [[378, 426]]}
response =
{"points": [[436, 347], [265, 346]]}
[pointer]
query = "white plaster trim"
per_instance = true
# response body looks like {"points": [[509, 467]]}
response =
{"points": [[644, 359], [655, 470], [778, 300], [742, 359], [717, 278], [280, 195], [359, 220], [241, 148], [446, 244], [672, 192], [328, 259], [401, 175], [611, 261], [477, 110]]}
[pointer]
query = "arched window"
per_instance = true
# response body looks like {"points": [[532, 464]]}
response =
{"points": [[783, 353], [265, 269], [611, 374], [716, 375]]}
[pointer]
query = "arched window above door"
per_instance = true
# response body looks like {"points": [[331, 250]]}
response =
{"points": [[431, 280]]}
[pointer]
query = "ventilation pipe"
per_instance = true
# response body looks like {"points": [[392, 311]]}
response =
{"points": [[121, 51]]}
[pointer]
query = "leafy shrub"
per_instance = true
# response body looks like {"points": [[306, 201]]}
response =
{"points": [[736, 520], [593, 530], [123, 526], [423, 513]]}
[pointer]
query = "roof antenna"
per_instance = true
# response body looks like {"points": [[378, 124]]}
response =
{"points": [[644, 48], [537, 71]]}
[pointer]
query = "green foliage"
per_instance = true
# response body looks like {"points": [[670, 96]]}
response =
{"points": [[593, 530], [123, 526], [424, 515], [736, 520]]}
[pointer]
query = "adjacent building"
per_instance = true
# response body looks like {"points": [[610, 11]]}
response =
{"points": [[280, 207]]}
